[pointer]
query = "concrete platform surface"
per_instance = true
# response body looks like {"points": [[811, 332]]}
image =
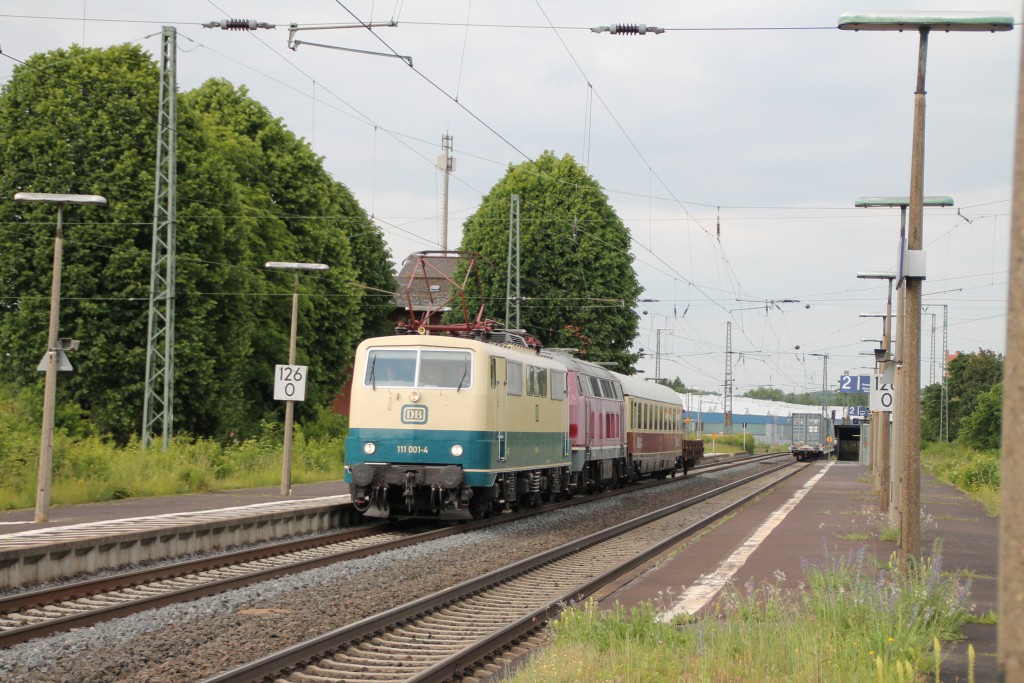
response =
{"points": [[23, 520], [834, 509]]}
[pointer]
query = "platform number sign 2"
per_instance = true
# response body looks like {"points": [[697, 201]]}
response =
{"points": [[855, 384], [289, 382]]}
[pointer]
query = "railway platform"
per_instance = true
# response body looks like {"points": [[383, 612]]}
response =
{"points": [[95, 536], [828, 510]]}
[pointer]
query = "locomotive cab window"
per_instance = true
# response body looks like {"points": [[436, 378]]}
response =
{"points": [[418, 368], [445, 370], [514, 376], [536, 381], [557, 385], [390, 368]]}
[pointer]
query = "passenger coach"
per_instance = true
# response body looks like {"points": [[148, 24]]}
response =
{"points": [[655, 429]]}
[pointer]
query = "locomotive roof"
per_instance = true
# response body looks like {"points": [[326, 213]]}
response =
{"points": [[439, 341], [577, 365]]}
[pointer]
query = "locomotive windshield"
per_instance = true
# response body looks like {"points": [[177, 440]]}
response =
{"points": [[418, 368]]}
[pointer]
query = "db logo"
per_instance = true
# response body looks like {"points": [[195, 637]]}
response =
{"points": [[414, 415]]}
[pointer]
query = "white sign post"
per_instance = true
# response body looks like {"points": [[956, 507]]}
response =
{"points": [[882, 391], [290, 382]]}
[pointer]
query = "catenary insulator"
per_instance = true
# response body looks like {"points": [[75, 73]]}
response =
{"points": [[237, 24], [634, 29]]}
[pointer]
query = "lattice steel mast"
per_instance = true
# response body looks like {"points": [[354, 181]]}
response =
{"points": [[158, 402], [727, 404], [512, 297]]}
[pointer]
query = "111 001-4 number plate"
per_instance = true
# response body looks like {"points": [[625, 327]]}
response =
{"points": [[414, 450]]}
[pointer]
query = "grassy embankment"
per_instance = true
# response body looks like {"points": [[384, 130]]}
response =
{"points": [[843, 621], [91, 468]]}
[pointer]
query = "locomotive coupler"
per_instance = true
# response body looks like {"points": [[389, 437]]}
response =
{"points": [[410, 483]]}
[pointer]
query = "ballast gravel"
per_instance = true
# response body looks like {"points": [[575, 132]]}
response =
{"points": [[200, 639]]}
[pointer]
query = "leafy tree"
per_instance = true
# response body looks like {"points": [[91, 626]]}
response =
{"points": [[576, 269], [766, 393], [967, 376], [931, 403], [983, 427], [677, 385], [83, 121]]}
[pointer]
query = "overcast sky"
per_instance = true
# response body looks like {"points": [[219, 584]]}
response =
{"points": [[733, 146]]}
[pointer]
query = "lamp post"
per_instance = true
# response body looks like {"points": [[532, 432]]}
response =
{"points": [[880, 433], [911, 262], [289, 405], [53, 349], [1010, 635]]}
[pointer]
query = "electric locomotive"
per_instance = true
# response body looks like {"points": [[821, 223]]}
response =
{"points": [[455, 428]]}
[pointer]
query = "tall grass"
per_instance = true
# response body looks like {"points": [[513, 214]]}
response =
{"points": [[92, 468], [974, 472], [730, 443], [843, 622]]}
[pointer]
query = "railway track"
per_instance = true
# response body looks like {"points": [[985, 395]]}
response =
{"points": [[26, 616], [456, 632]]}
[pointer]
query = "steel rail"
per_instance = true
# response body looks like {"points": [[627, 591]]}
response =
{"points": [[279, 664]]}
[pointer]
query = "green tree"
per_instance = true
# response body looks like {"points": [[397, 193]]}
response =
{"points": [[576, 272], [83, 121], [677, 385], [766, 394], [292, 210], [931, 403], [967, 376], [983, 427]]}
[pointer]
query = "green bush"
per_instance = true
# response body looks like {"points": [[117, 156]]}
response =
{"points": [[966, 468]]}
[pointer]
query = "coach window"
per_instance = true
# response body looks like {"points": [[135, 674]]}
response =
{"points": [[514, 372], [595, 386], [494, 372]]}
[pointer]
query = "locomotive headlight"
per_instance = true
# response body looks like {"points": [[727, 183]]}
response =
{"points": [[414, 396], [369, 448], [456, 450]]}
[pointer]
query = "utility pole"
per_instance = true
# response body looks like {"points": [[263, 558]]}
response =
{"points": [[446, 163], [1010, 635], [158, 400]]}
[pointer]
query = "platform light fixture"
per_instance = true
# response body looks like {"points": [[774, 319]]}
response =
{"points": [[289, 406], [54, 348], [908, 385]]}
